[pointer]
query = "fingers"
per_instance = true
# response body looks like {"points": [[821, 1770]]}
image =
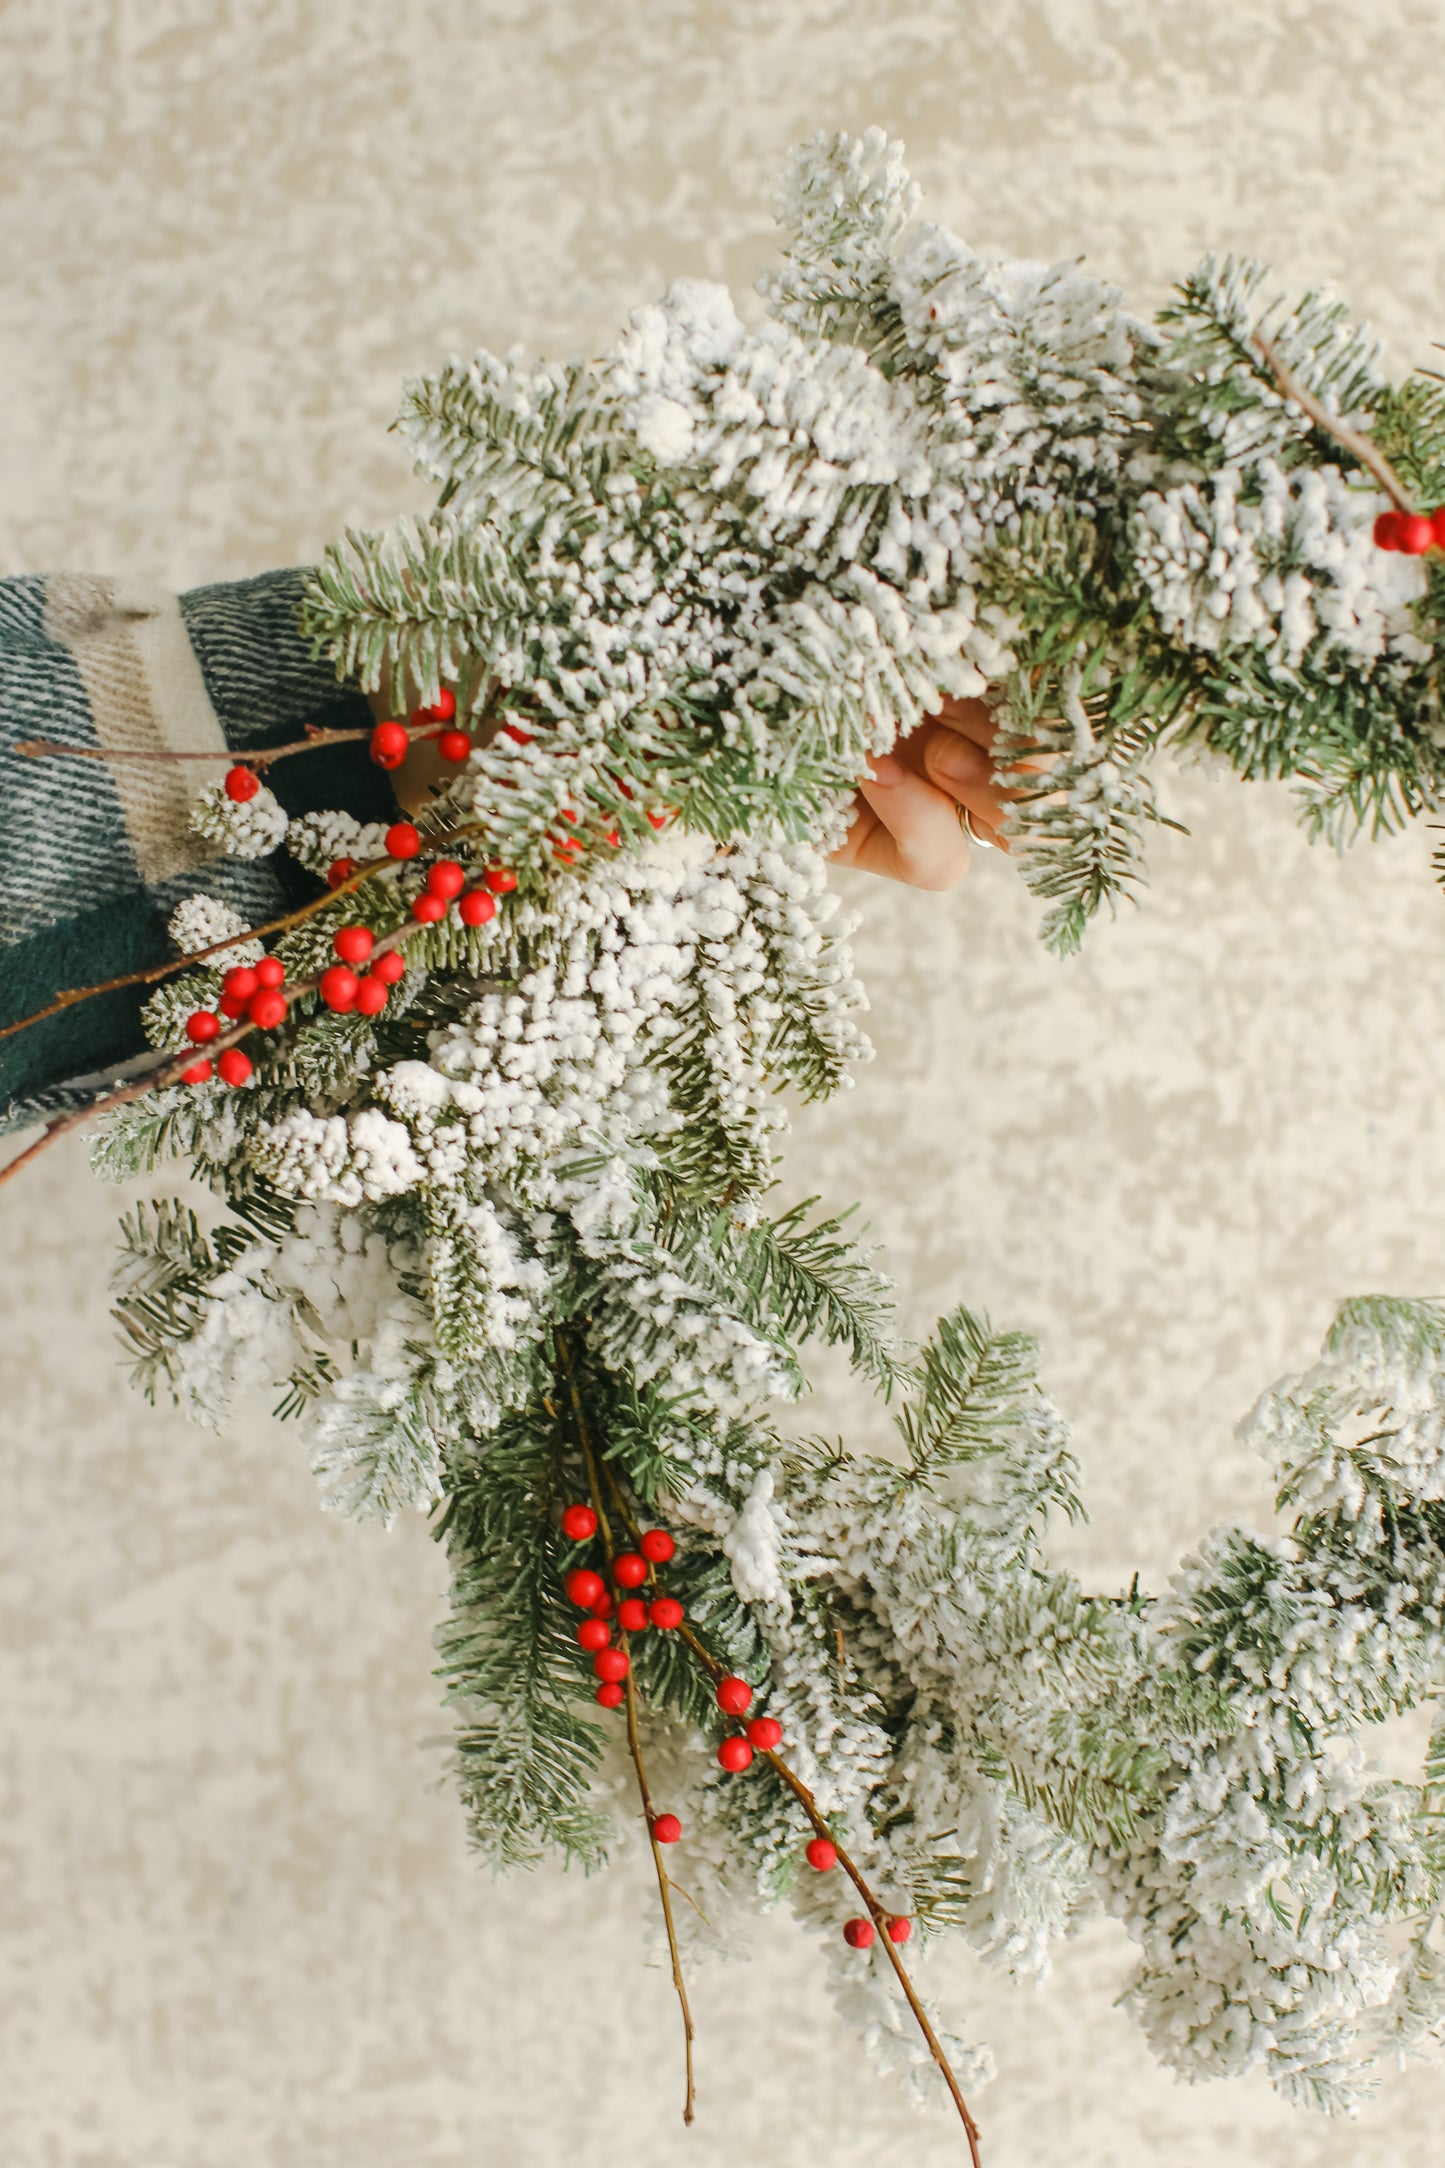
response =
{"points": [[906, 830], [961, 766]]}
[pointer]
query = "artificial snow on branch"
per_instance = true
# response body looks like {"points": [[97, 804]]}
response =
{"points": [[497, 1224]]}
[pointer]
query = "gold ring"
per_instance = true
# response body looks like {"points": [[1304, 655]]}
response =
{"points": [[970, 831]]}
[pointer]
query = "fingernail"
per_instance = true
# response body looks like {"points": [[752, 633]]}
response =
{"points": [[886, 769]]}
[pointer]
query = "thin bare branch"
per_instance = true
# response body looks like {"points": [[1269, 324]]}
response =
{"points": [[259, 758], [664, 1887], [1353, 441]]}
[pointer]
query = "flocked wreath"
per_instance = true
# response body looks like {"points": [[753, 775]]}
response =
{"points": [[495, 1120]]}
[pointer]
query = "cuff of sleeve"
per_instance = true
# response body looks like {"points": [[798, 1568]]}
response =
{"points": [[265, 685]]}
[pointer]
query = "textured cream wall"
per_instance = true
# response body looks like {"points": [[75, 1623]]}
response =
{"points": [[239, 1926]]}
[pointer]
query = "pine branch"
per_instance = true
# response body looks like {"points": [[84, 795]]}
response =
{"points": [[971, 1381], [162, 1282], [525, 1758]]}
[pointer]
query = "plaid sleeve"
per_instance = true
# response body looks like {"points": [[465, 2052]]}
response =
{"points": [[94, 856]]}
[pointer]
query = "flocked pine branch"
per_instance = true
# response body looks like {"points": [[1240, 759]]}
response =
{"points": [[503, 1239]]}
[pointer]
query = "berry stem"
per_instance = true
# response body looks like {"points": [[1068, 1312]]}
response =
{"points": [[260, 760], [800, 1791], [664, 1887], [1353, 441], [634, 1741]]}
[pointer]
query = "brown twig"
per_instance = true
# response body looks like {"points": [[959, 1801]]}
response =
{"points": [[634, 1741], [664, 1886], [260, 758], [878, 1911], [1359, 446]]}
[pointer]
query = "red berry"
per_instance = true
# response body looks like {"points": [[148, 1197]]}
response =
{"points": [[389, 966], [234, 1005], [611, 1664], [657, 1545], [454, 745], [340, 869], [604, 1606], [899, 1929], [1414, 534], [658, 820], [389, 742], [567, 854], [858, 1934], [242, 785], [593, 1634], [665, 1613], [338, 988], [765, 1732], [371, 993], [198, 1073], [500, 880], [569, 813], [578, 1523], [632, 1615], [733, 1695], [1387, 535], [353, 944], [403, 840], [426, 910], [611, 836], [516, 733], [442, 709], [268, 1008], [476, 907], [667, 1829], [234, 1066], [203, 1025], [822, 1854], [445, 879], [242, 981], [584, 1587], [628, 1570], [610, 1694], [270, 971], [736, 1755], [1437, 524]]}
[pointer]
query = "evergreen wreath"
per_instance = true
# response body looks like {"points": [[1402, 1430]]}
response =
{"points": [[498, 1167]]}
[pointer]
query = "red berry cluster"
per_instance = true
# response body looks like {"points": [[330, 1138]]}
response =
{"points": [[390, 740], [588, 1591], [634, 1615], [343, 989], [860, 1933], [253, 991], [446, 881], [734, 1696], [1412, 532]]}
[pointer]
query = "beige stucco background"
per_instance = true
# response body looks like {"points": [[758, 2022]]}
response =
{"points": [[238, 1924]]}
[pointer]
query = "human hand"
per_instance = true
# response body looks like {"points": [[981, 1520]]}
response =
{"points": [[906, 826]]}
